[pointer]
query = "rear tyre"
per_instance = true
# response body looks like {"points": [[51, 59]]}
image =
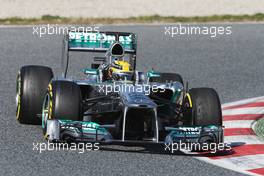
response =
{"points": [[167, 77], [206, 107], [32, 83]]}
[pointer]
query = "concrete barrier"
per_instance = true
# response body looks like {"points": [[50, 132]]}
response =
{"points": [[127, 8]]}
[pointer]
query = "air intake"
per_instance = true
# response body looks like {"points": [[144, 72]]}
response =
{"points": [[117, 50]]}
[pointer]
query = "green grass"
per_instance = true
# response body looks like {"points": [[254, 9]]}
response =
{"points": [[49, 19], [259, 128]]}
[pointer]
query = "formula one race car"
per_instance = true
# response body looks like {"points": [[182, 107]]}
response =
{"points": [[115, 102]]}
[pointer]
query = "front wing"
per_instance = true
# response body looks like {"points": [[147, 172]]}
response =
{"points": [[85, 131]]}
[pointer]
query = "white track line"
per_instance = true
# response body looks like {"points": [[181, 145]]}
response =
{"points": [[247, 139], [238, 124], [245, 162], [257, 99], [251, 110], [225, 164]]}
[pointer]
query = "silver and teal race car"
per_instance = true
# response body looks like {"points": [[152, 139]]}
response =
{"points": [[115, 102]]}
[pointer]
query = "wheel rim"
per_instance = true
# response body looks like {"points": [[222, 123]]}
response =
{"points": [[45, 110], [18, 95]]}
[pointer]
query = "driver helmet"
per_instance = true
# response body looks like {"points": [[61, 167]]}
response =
{"points": [[120, 70]]}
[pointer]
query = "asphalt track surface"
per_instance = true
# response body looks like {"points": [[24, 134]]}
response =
{"points": [[233, 65]]}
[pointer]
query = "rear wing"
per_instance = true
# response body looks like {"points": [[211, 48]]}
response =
{"points": [[95, 41], [100, 41]]}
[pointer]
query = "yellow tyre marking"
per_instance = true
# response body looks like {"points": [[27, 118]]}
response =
{"points": [[50, 103], [50, 89], [46, 136], [50, 109], [18, 108], [189, 99]]}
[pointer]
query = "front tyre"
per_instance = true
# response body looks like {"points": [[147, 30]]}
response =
{"points": [[206, 107], [62, 101]]}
